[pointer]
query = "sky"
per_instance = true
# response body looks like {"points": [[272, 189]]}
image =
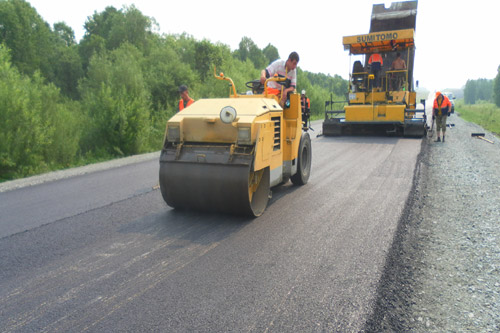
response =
{"points": [[455, 40]]}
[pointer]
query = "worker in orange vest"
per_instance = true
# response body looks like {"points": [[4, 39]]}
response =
{"points": [[376, 62], [440, 111], [185, 99]]}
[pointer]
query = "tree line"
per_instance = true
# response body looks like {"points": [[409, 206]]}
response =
{"points": [[66, 103], [483, 90]]}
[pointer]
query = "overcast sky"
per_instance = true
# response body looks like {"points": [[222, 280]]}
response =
{"points": [[455, 40]]}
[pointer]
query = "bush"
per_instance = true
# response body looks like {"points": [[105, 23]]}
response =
{"points": [[116, 102], [38, 132]]}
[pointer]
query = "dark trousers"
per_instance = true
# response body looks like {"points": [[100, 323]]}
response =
{"points": [[376, 67]]}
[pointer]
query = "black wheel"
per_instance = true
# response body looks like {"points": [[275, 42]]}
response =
{"points": [[304, 161], [256, 86]]}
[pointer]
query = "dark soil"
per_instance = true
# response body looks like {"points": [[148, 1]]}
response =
{"points": [[443, 271]]}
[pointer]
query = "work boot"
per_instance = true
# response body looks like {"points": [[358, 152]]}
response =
{"points": [[443, 138], [438, 139]]}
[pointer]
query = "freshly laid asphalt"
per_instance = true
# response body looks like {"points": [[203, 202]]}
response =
{"points": [[101, 251]]}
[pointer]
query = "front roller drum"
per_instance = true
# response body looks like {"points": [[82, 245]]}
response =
{"points": [[225, 188]]}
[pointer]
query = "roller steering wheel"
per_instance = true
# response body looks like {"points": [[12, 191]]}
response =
{"points": [[256, 86]]}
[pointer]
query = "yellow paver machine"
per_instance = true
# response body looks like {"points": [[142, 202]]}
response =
{"points": [[381, 93], [224, 154]]}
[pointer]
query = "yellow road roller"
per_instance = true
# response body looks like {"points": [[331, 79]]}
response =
{"points": [[225, 154]]}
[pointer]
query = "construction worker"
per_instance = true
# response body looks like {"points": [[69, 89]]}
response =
{"points": [[185, 99], [398, 77], [285, 69], [440, 111], [376, 62], [306, 107]]}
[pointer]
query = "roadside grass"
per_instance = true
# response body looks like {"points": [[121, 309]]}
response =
{"points": [[487, 115]]}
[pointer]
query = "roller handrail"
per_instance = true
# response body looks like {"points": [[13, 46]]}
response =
{"points": [[275, 78], [221, 76]]}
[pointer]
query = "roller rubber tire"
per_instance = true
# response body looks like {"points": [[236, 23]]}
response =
{"points": [[304, 161]]}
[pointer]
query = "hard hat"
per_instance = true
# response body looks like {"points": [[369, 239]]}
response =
{"points": [[303, 92], [438, 93]]}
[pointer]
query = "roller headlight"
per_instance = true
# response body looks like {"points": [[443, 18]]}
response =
{"points": [[173, 134], [244, 136], [228, 114]]}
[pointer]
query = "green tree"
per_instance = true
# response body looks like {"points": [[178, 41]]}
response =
{"points": [[64, 34], [249, 50], [112, 27], [485, 90], [164, 71], [116, 100], [470, 92], [476, 90], [39, 131], [130, 26], [119, 26], [66, 63], [319, 87], [100, 24], [28, 37], [184, 46], [206, 57], [68, 70], [271, 53], [496, 88]]}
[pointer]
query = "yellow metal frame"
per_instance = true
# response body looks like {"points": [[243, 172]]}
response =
{"points": [[371, 104], [382, 41], [200, 122]]}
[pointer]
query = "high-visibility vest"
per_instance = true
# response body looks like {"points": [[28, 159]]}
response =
{"points": [[307, 102], [440, 109], [273, 91], [181, 104], [376, 58]]}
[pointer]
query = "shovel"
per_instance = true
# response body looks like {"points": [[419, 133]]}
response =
{"points": [[432, 129]]}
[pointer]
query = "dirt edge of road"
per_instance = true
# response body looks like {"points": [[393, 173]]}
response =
{"points": [[394, 286], [441, 272]]}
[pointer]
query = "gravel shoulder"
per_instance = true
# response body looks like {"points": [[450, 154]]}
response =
{"points": [[442, 274]]}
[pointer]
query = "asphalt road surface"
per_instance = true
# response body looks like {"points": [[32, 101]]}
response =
{"points": [[101, 251]]}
